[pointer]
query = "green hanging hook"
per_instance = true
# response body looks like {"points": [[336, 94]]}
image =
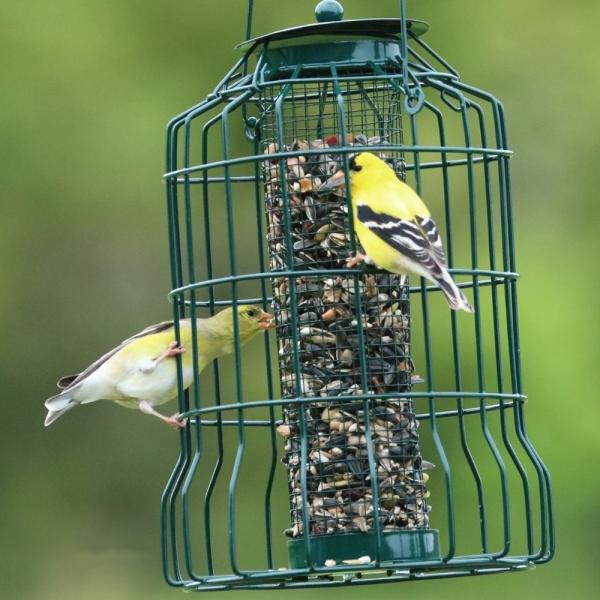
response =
{"points": [[414, 97], [249, 19]]}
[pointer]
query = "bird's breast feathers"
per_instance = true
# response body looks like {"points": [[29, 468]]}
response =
{"points": [[392, 196], [128, 373], [157, 386]]}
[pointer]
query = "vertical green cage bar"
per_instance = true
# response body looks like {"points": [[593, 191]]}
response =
{"points": [[392, 445]]}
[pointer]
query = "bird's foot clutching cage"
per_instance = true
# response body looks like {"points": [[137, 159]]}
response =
{"points": [[391, 444]]}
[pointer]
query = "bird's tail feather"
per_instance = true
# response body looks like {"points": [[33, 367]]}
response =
{"points": [[456, 299], [58, 405], [66, 381]]}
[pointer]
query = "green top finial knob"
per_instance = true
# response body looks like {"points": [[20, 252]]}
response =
{"points": [[329, 10]]}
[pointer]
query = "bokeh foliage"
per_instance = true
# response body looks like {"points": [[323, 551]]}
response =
{"points": [[88, 87]]}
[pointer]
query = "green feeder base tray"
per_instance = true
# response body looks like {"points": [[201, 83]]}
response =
{"points": [[421, 545]]}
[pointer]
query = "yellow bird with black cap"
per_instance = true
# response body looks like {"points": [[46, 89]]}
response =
{"points": [[394, 226]]}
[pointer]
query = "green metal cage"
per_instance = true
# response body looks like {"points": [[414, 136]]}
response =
{"points": [[377, 436]]}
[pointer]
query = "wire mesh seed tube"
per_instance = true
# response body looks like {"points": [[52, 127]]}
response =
{"points": [[339, 336]]}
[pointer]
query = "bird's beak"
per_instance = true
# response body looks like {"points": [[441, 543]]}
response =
{"points": [[266, 321], [337, 180]]}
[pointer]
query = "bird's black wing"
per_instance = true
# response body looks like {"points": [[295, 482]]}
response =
{"points": [[419, 240], [69, 381]]}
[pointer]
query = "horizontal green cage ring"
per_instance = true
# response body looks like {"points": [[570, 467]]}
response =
{"points": [[461, 162], [498, 277], [460, 566], [497, 280], [429, 76], [340, 150], [423, 416], [250, 83], [446, 395]]}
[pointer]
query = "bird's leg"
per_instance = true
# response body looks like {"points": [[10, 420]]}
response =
{"points": [[355, 260], [147, 409], [173, 349]]}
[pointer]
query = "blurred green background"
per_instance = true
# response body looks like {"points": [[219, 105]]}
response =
{"points": [[88, 88]]}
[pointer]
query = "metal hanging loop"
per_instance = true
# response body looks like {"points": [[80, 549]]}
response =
{"points": [[414, 96]]}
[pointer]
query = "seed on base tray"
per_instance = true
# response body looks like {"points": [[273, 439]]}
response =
{"points": [[361, 560]]}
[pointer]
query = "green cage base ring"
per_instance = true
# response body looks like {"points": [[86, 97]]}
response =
{"points": [[415, 545]]}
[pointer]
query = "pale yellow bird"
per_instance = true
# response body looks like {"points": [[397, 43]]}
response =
{"points": [[394, 226], [141, 372]]}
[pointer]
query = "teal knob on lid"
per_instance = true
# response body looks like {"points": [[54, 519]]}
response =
{"points": [[329, 10]]}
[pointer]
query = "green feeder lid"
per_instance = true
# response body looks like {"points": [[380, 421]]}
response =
{"points": [[332, 30], [347, 44]]}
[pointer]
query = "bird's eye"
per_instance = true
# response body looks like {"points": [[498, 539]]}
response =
{"points": [[251, 312]]}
